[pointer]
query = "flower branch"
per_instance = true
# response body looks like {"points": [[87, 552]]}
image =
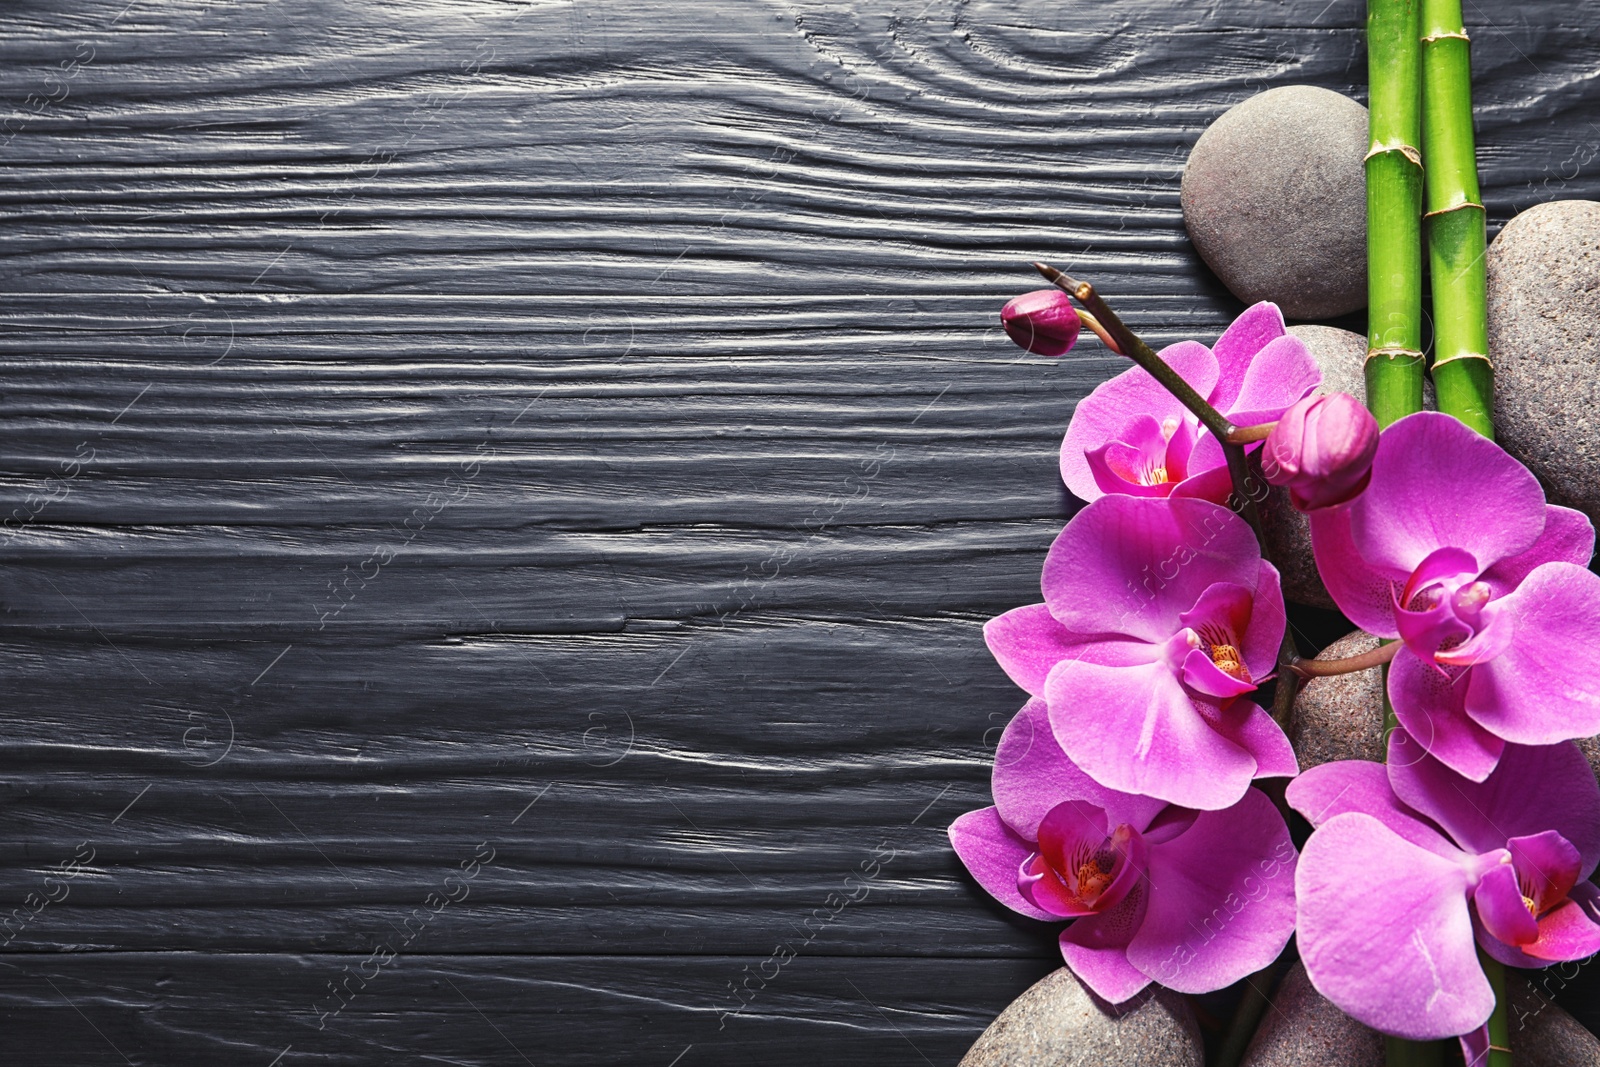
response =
{"points": [[1246, 487], [1328, 668]]}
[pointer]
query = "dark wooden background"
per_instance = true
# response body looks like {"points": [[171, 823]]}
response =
{"points": [[577, 433]]}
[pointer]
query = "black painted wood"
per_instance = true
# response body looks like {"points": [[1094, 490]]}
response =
{"points": [[577, 432]]}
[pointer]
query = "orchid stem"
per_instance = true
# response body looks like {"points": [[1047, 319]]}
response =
{"points": [[1129, 344], [1099, 330], [1327, 668]]}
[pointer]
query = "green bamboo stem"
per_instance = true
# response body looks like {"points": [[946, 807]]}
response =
{"points": [[1462, 373], [1500, 1021], [1247, 1016], [1394, 210], [1394, 368], [1399, 1052]]}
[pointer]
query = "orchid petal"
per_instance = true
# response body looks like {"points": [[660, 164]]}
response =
{"points": [[1363, 592], [1221, 899], [1032, 775], [1476, 1046], [1121, 468], [1428, 703], [1075, 834], [1568, 537], [1385, 932], [1533, 789], [993, 853], [1430, 478], [1204, 676], [1127, 565], [1072, 834], [1096, 948], [1248, 725], [1567, 932], [1206, 480], [1134, 729], [1545, 686], [1171, 822], [1264, 636], [1102, 416], [1494, 636], [1501, 910], [1332, 789], [1425, 631], [1179, 447], [1547, 866], [1220, 614], [1173, 549], [1280, 374], [1028, 641], [1259, 325]]}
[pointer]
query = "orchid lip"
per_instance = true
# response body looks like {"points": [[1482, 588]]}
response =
{"points": [[1091, 874]]}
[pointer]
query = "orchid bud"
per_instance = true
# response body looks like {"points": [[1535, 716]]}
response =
{"points": [[1043, 321], [1321, 450]]}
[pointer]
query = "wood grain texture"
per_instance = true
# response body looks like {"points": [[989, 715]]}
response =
{"points": [[415, 411]]}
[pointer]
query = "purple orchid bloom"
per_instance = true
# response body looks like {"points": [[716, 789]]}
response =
{"points": [[1410, 864], [1453, 550], [1192, 900], [1159, 616], [1131, 436]]}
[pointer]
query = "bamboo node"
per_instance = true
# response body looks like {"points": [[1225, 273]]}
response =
{"points": [[1446, 35], [1442, 360], [1459, 206], [1394, 352], [1404, 149]]}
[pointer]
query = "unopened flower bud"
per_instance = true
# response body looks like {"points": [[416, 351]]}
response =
{"points": [[1321, 450], [1043, 321]]}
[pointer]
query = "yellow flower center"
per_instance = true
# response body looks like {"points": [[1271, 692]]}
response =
{"points": [[1226, 657]]}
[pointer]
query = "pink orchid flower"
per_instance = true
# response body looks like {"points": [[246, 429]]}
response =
{"points": [[1192, 900], [1130, 435], [1159, 616], [1411, 865], [1453, 550]]}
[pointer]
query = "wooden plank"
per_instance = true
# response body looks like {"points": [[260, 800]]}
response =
{"points": [[69, 1010]]}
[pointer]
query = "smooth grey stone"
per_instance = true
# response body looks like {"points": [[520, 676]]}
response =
{"points": [[1059, 1023], [1340, 717], [1544, 340], [1304, 1029], [1340, 354], [1543, 1034], [1274, 198]]}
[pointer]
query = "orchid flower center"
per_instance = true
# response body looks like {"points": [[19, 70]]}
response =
{"points": [[1080, 867], [1226, 657], [1154, 476], [1444, 612], [1093, 868]]}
